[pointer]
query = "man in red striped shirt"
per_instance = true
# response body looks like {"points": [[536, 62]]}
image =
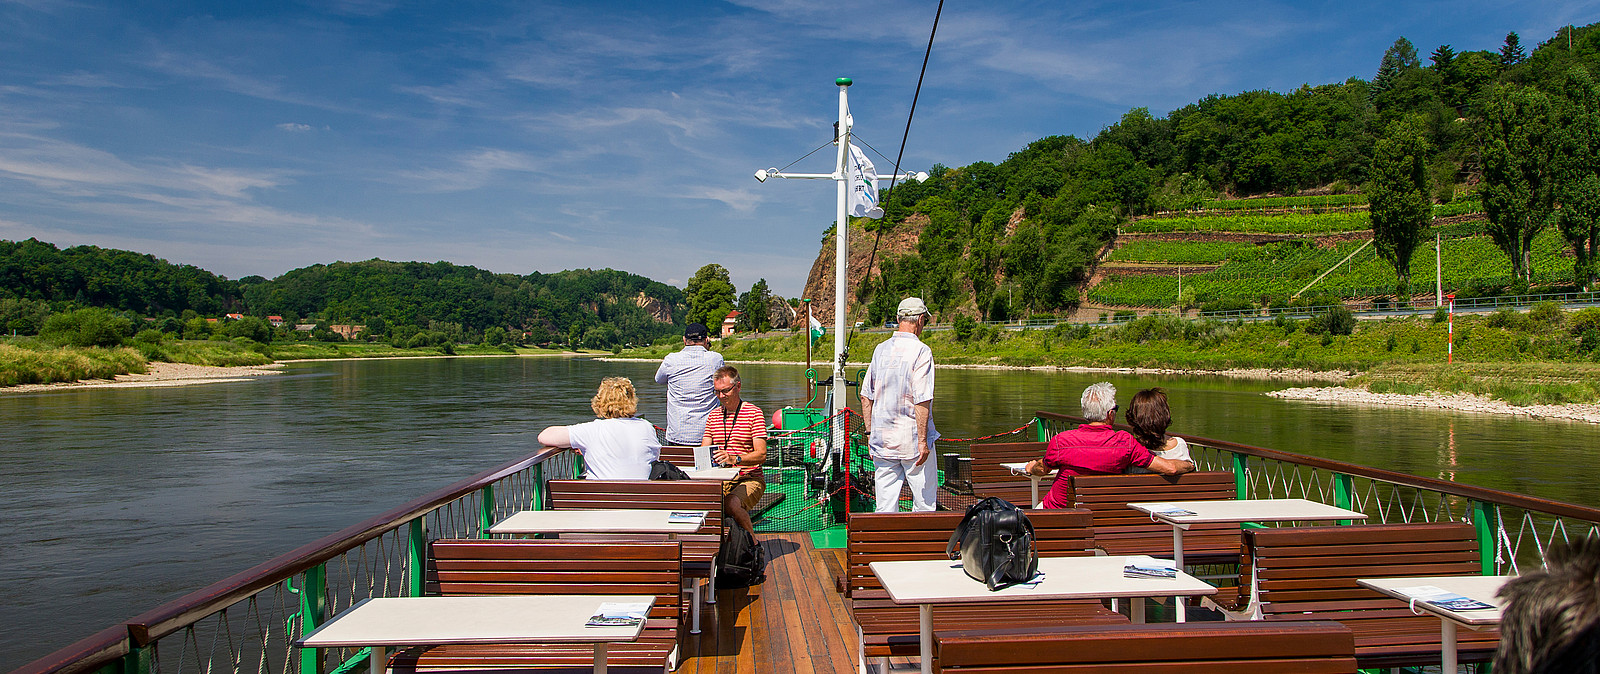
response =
{"points": [[740, 431]]}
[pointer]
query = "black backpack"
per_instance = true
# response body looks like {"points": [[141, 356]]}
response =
{"points": [[996, 542], [661, 470], [740, 561]]}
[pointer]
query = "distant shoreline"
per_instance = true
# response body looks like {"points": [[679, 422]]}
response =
{"points": [[1332, 376], [1458, 402], [164, 374]]}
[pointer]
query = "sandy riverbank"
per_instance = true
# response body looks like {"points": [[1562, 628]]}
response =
{"points": [[1460, 402], [159, 374]]}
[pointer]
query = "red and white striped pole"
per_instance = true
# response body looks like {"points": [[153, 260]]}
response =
{"points": [[1450, 346]]}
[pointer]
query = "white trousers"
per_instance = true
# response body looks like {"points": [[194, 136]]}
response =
{"points": [[889, 474]]}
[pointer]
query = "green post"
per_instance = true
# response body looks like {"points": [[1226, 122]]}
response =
{"points": [[137, 661], [538, 487], [313, 611], [485, 510], [416, 550], [1484, 519], [1241, 481], [1343, 487]]}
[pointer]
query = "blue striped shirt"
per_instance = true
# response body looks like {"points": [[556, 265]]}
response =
{"points": [[690, 395]]}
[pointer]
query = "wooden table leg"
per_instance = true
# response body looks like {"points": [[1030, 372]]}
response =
{"points": [[600, 658], [925, 617], [1447, 646]]}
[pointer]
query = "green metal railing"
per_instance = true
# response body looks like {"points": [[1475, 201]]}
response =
{"points": [[249, 622], [1514, 530]]}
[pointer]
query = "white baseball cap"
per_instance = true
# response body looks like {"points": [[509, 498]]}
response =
{"points": [[911, 307]]}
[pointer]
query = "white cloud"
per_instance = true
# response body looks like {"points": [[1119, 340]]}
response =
{"points": [[294, 127]]}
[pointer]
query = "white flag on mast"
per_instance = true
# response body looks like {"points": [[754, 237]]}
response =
{"points": [[863, 186]]}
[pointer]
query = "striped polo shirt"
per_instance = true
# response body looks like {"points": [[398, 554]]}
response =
{"points": [[736, 432]]}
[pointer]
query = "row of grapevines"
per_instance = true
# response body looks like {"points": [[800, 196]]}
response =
{"points": [[1295, 223], [1323, 201], [1177, 252], [1458, 207]]}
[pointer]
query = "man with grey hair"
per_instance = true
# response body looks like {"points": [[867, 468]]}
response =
{"points": [[897, 405], [1096, 448]]}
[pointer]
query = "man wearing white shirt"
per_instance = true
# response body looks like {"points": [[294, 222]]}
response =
{"points": [[897, 404]]}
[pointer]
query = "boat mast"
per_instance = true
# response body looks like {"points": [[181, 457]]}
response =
{"points": [[841, 175], [841, 250]]}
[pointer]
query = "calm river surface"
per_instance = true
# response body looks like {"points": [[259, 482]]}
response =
{"points": [[119, 499]]}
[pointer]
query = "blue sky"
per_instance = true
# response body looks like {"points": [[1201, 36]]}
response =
{"points": [[258, 137]]}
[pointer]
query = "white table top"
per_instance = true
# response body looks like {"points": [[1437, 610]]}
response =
{"points": [[1251, 510], [1481, 588], [939, 581], [604, 521], [1022, 469], [507, 619], [723, 474]]}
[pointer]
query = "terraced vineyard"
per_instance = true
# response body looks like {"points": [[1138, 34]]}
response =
{"points": [[1281, 269], [1294, 223], [1323, 201], [1178, 252]]}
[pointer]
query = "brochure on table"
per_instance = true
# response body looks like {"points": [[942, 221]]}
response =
{"points": [[618, 614]]}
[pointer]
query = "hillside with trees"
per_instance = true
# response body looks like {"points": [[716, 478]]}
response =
{"points": [[1024, 236]]}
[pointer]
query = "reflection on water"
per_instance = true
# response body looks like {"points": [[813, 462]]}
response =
{"points": [[119, 499]]}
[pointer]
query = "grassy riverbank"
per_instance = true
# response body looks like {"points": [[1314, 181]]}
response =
{"points": [[27, 360], [1544, 356]]}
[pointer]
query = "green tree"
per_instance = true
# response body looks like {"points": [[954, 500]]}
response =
{"points": [[251, 328], [87, 327], [1511, 52], [1397, 189], [1519, 152], [710, 295], [1577, 174], [753, 307], [1399, 58], [494, 336]]}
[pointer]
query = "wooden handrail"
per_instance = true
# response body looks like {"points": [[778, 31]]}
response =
{"points": [[1504, 498], [114, 642]]}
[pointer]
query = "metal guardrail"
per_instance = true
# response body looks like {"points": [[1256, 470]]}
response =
{"points": [[1514, 530], [249, 621]]}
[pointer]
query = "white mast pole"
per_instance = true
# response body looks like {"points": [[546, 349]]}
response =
{"points": [[841, 254]]}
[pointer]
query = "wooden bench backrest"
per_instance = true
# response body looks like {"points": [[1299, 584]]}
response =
{"points": [[525, 566], [642, 495], [1314, 569], [989, 478], [891, 537], [1121, 530], [1322, 647], [681, 456]]}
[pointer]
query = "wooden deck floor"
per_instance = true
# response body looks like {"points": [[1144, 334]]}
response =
{"points": [[794, 622]]}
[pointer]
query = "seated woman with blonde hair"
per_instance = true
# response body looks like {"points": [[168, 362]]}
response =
{"points": [[617, 445], [1149, 416]]}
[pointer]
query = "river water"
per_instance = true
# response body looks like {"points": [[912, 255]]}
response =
{"points": [[119, 499]]}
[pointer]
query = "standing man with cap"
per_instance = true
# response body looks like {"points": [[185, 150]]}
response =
{"points": [[690, 396], [897, 404]]}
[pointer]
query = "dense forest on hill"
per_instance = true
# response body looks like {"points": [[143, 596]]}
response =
{"points": [[1020, 236], [397, 301]]}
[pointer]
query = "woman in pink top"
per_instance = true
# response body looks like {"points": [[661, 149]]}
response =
{"points": [[1096, 448]]}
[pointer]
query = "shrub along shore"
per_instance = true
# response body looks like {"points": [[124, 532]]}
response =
{"points": [[1544, 356]]}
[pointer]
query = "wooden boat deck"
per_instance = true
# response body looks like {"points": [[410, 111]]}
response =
{"points": [[794, 622]]}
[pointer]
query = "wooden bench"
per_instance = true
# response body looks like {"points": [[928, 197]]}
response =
{"points": [[1120, 530], [886, 629], [699, 548], [1320, 647], [521, 566], [1309, 573], [989, 478]]}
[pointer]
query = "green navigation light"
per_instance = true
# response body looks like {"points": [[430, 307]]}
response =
{"points": [[844, 82]]}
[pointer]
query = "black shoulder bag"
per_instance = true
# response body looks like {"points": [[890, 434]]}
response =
{"points": [[996, 542], [661, 470]]}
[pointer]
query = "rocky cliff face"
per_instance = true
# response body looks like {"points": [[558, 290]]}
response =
{"points": [[819, 283], [656, 308], [780, 315]]}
